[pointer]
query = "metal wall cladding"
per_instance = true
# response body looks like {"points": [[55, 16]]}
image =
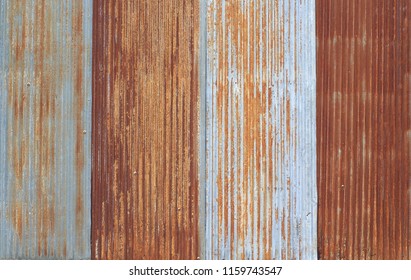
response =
{"points": [[145, 130], [260, 191], [45, 110], [206, 116], [363, 105]]}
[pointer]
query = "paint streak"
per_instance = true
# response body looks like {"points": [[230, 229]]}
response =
{"points": [[363, 118], [145, 126], [258, 189], [45, 95]]}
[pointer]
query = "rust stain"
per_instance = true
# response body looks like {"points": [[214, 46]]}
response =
{"points": [[43, 131], [145, 119], [363, 95], [17, 101], [77, 19]]}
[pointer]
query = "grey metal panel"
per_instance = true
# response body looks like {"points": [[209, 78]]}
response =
{"points": [[45, 125], [260, 189]]}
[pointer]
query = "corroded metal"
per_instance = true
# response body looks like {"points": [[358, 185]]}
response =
{"points": [[260, 189], [363, 120], [145, 130], [45, 122]]}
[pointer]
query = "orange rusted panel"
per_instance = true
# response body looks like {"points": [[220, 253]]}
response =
{"points": [[45, 122], [145, 125], [363, 128]]}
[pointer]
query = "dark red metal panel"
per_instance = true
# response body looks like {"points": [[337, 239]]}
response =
{"points": [[363, 128], [145, 106]]}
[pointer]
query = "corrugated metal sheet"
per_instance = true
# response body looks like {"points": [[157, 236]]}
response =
{"points": [[204, 129], [363, 101], [145, 125], [45, 110], [260, 191]]}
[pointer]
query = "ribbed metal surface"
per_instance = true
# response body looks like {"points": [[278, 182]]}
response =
{"points": [[363, 120], [45, 121], [260, 191], [145, 130]]}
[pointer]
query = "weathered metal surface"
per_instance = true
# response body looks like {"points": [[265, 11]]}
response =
{"points": [[45, 110], [363, 102], [145, 126], [260, 191]]}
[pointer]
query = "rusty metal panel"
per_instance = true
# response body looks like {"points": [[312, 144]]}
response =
{"points": [[145, 126], [45, 122], [260, 191], [363, 102]]}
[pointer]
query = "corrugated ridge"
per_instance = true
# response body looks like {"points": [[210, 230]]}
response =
{"points": [[260, 119], [145, 130], [363, 120], [45, 107]]}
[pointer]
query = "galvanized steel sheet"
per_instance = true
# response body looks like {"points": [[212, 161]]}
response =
{"points": [[45, 122], [260, 193], [363, 120]]}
